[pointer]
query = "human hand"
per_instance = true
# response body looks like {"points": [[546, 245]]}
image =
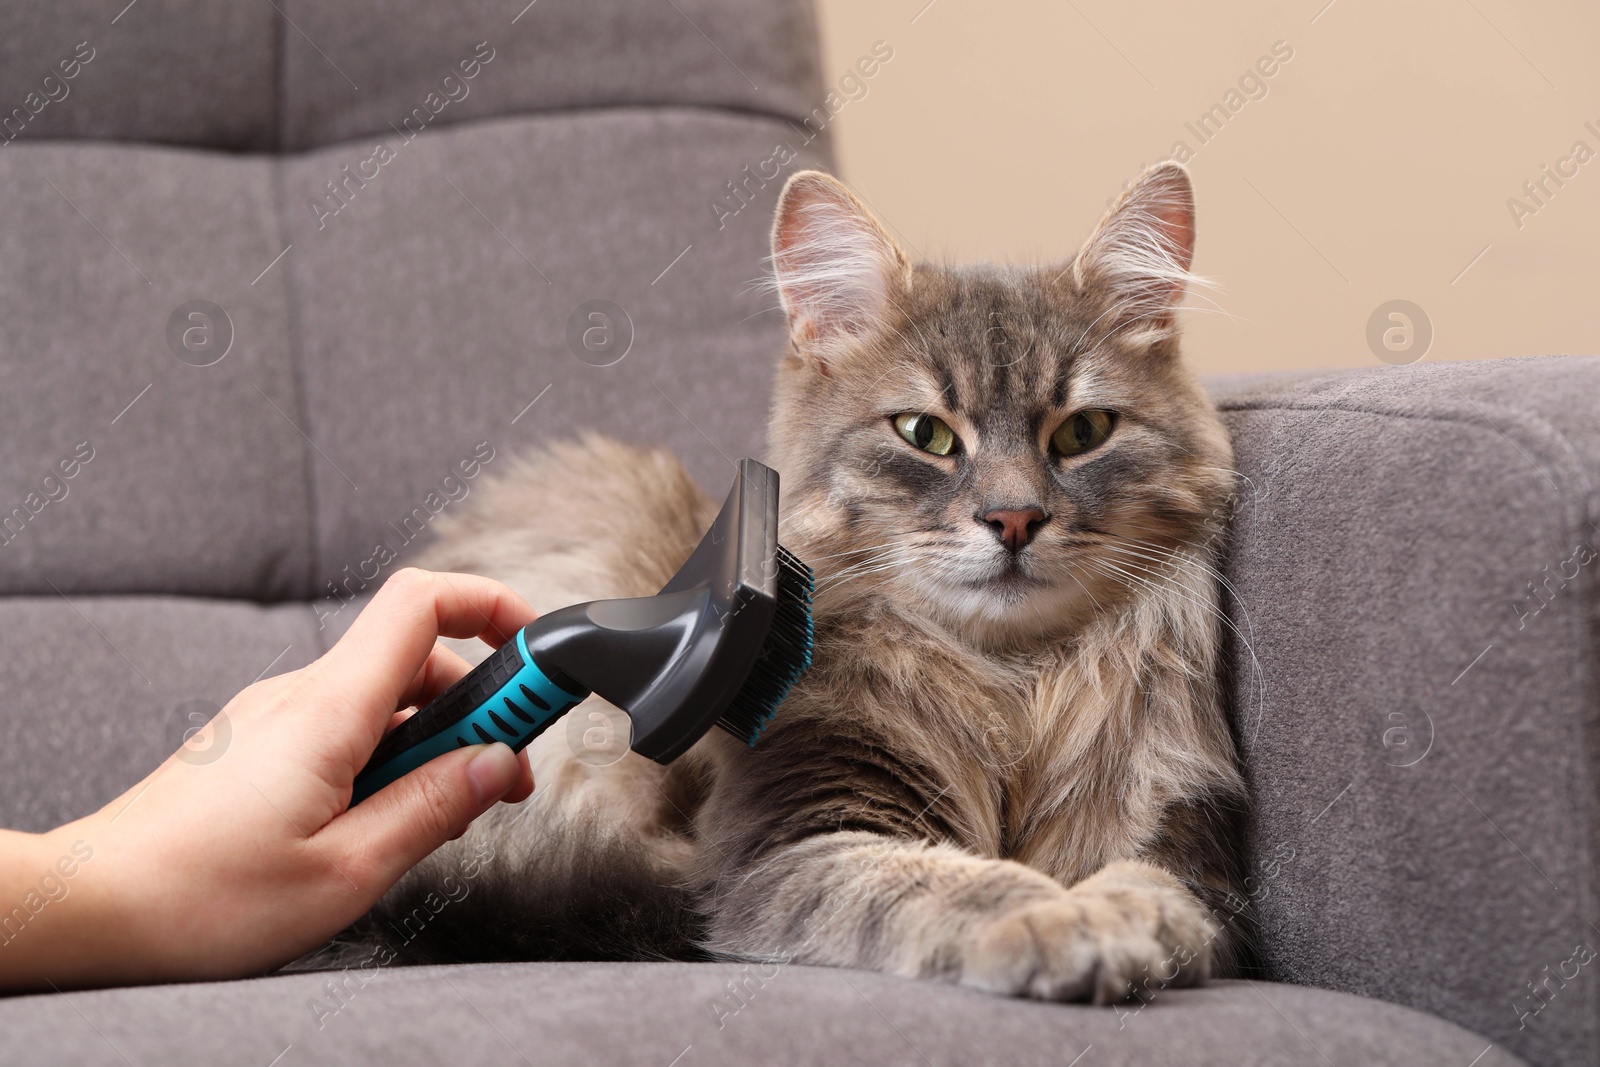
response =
{"points": [[245, 863]]}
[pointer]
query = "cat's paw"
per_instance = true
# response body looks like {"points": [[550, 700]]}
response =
{"points": [[1128, 929]]}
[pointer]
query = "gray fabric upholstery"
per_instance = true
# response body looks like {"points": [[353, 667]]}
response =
{"points": [[246, 77], [193, 489], [588, 1014], [423, 332], [99, 687], [389, 340], [1391, 519]]}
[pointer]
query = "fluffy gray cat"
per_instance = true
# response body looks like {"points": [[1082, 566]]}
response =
{"points": [[1010, 765]]}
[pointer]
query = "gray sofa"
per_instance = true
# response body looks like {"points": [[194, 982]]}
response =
{"points": [[1418, 720]]}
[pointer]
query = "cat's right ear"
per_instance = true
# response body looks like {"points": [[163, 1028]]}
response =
{"points": [[836, 267]]}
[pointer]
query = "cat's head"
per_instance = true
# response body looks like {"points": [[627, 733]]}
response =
{"points": [[1003, 450]]}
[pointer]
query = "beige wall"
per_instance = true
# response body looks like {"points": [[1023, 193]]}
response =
{"points": [[1378, 164]]}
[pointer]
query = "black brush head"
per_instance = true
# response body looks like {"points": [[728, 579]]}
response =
{"points": [[785, 655], [721, 644]]}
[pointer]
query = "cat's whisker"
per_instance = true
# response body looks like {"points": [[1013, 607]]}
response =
{"points": [[853, 571], [840, 580], [1247, 640], [1211, 572], [1136, 581], [814, 558], [1158, 571], [1089, 593], [883, 560], [1189, 560], [1169, 580], [863, 551], [860, 570]]}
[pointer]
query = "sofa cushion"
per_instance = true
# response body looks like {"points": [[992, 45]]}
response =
{"points": [[682, 1015], [102, 689]]}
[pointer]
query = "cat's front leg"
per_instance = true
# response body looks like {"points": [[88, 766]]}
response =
{"points": [[858, 899]]}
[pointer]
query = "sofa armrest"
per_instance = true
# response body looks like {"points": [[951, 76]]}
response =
{"points": [[1415, 692]]}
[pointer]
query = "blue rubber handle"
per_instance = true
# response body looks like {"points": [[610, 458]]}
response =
{"points": [[505, 698]]}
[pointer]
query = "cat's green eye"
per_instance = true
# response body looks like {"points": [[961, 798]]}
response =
{"points": [[1082, 431], [927, 432]]}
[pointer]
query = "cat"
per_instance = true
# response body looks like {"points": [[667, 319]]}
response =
{"points": [[1010, 765]]}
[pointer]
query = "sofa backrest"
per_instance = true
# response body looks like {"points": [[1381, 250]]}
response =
{"points": [[281, 270]]}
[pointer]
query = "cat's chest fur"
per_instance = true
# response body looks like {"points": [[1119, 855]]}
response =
{"points": [[1046, 758], [1042, 769]]}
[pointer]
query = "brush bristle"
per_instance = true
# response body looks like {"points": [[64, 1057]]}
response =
{"points": [[785, 655]]}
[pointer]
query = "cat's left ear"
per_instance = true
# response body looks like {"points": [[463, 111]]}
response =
{"points": [[1142, 249]]}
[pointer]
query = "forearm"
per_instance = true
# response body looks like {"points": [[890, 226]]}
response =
{"points": [[233, 868], [53, 927]]}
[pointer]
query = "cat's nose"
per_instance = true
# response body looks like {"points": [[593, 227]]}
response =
{"points": [[1014, 527]]}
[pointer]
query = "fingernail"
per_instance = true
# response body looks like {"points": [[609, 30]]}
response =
{"points": [[492, 771]]}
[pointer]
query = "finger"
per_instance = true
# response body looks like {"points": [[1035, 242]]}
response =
{"points": [[523, 788], [394, 829], [375, 661], [521, 791], [442, 669]]}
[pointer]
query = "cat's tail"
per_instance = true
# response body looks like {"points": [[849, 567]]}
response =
{"points": [[580, 890]]}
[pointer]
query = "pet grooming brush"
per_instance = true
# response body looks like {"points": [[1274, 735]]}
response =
{"points": [[722, 643]]}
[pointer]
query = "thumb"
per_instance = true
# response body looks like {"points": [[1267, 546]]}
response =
{"points": [[400, 824]]}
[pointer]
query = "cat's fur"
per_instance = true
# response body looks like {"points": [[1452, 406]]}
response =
{"points": [[1008, 771]]}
